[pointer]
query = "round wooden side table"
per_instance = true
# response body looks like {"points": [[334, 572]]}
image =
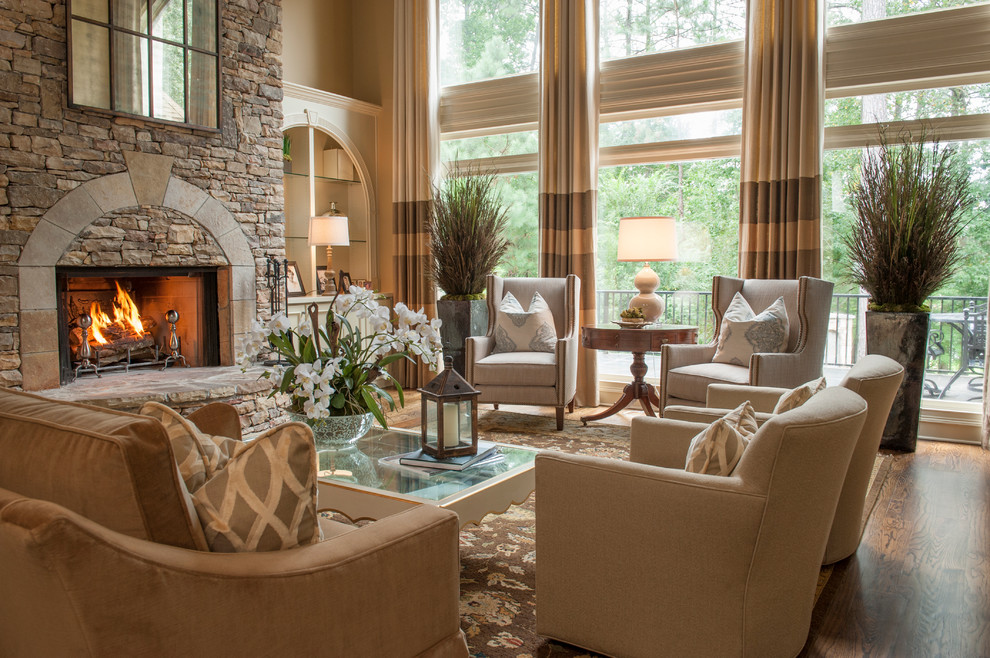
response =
{"points": [[639, 341]]}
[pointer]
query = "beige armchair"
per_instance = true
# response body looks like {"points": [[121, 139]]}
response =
{"points": [[687, 370], [533, 378], [641, 558], [876, 379], [99, 557]]}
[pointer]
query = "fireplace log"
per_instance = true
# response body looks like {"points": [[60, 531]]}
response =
{"points": [[142, 347]]}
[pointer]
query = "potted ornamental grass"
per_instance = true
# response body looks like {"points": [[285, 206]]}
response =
{"points": [[910, 204], [467, 241], [334, 373]]}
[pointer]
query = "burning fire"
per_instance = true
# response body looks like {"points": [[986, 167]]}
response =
{"points": [[125, 316]]}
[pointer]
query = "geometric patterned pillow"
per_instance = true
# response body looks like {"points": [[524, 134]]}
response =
{"points": [[716, 449], [795, 397], [517, 330], [265, 497], [198, 455], [743, 333]]}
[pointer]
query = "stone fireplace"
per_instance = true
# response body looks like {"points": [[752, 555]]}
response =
{"points": [[148, 229], [106, 196]]}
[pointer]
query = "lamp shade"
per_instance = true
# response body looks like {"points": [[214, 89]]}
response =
{"points": [[644, 239], [328, 230]]}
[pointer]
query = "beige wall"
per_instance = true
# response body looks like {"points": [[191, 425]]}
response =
{"points": [[317, 44], [373, 52], [353, 39]]}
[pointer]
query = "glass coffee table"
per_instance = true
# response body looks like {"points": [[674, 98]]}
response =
{"points": [[365, 480]]}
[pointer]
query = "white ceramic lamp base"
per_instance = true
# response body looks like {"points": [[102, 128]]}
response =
{"points": [[647, 300]]}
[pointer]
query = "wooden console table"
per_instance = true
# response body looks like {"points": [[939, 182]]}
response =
{"points": [[639, 342]]}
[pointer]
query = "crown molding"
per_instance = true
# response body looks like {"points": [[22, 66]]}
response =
{"points": [[309, 94]]}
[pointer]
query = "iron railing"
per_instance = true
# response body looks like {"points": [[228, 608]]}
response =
{"points": [[846, 332]]}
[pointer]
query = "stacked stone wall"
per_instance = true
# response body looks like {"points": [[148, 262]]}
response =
{"points": [[134, 237], [47, 148]]}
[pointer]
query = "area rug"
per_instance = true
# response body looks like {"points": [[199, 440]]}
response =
{"points": [[498, 558]]}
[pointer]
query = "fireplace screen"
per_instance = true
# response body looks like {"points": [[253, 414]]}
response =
{"points": [[123, 318]]}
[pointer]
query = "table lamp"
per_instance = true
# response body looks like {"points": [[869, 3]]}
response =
{"points": [[647, 239], [329, 230]]}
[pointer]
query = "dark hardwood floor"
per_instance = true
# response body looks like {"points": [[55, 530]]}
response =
{"points": [[919, 585]]}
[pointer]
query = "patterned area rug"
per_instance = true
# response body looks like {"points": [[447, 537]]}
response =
{"points": [[498, 558]]}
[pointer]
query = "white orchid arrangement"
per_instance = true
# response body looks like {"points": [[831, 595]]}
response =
{"points": [[333, 369]]}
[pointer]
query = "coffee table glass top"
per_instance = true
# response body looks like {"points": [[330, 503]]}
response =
{"points": [[367, 464]]}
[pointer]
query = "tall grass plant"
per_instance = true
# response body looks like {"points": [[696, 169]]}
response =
{"points": [[910, 203]]}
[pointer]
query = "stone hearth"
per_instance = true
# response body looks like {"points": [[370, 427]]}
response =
{"points": [[183, 389]]}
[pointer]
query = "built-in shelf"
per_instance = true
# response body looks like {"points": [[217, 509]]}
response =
{"points": [[314, 149], [325, 179]]}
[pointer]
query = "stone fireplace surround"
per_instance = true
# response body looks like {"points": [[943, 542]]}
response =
{"points": [[66, 231]]}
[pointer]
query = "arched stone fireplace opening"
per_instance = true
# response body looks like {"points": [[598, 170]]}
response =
{"points": [[136, 226]]}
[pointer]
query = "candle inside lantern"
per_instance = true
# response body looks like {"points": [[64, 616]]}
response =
{"points": [[451, 434]]}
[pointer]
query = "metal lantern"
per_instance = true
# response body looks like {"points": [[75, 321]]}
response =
{"points": [[449, 416]]}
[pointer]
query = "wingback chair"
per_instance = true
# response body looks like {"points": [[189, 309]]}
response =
{"points": [[876, 379], [687, 370], [641, 558], [532, 378]]}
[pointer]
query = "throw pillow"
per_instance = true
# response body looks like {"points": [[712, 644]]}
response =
{"points": [[716, 449], [517, 330], [198, 455], [795, 397], [265, 497], [744, 333]]}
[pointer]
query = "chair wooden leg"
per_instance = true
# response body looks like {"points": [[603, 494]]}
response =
{"points": [[560, 418], [495, 406], [570, 406]]}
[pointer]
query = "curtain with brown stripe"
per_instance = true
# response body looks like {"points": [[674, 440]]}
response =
{"points": [[569, 159], [780, 208], [415, 158]]}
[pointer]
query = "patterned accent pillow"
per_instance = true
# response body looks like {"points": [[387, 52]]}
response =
{"points": [[795, 397], [716, 449], [198, 455], [743, 333], [517, 330], [265, 498]]}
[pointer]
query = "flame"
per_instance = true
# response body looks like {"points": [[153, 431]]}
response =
{"points": [[125, 315], [127, 312], [100, 322]]}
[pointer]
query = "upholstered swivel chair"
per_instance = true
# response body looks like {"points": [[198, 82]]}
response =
{"points": [[102, 554], [641, 558], [532, 378], [687, 370], [876, 379]]}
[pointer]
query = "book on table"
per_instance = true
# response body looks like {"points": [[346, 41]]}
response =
{"points": [[459, 463]]}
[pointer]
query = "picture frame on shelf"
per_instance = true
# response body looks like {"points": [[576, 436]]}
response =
{"points": [[321, 279], [293, 280], [345, 281]]}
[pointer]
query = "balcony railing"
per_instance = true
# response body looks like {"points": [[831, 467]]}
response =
{"points": [[846, 331]]}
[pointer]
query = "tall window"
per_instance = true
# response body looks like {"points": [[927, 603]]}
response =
{"points": [[640, 27], [152, 58], [484, 40], [854, 11]]}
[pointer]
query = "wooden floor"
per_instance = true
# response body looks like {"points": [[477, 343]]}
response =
{"points": [[919, 585]]}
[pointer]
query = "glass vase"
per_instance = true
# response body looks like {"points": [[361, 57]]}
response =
{"points": [[336, 431]]}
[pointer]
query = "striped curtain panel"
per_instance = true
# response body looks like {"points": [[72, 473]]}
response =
{"points": [[415, 158], [780, 193], [985, 434], [568, 170]]}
